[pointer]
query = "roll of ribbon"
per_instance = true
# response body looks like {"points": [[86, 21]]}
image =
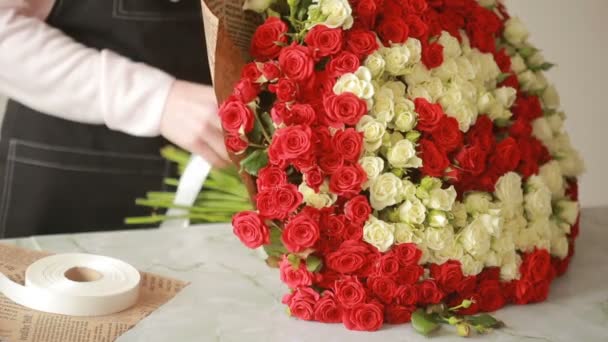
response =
{"points": [[76, 284]]}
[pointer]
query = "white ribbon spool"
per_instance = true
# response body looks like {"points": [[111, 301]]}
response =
{"points": [[76, 284]]}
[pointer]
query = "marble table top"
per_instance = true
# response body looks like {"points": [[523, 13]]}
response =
{"points": [[233, 296]]}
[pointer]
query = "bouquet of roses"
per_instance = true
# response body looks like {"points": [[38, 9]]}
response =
{"points": [[407, 160]]}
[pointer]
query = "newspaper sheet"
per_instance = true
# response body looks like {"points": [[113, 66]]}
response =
{"points": [[19, 324]]}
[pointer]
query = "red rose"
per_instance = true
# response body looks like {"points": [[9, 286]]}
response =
{"points": [[506, 157], [366, 11], [302, 303], [429, 115], [314, 178], [325, 41], [251, 71], [246, 90], [429, 292], [528, 107], [235, 144], [473, 297], [294, 278], [536, 266], [291, 143], [333, 225], [365, 317], [250, 229], [301, 114], [407, 295], [482, 134], [343, 63], [350, 292], [416, 6], [361, 42], [349, 143], [510, 81], [503, 60], [448, 275], [489, 273], [409, 274], [447, 134], [330, 162], [353, 257], [572, 189], [434, 161], [353, 231], [344, 109], [399, 314], [520, 128], [278, 202], [418, 28], [327, 309], [265, 43], [347, 180], [286, 89], [300, 233], [432, 55], [407, 254], [472, 159], [492, 298], [296, 62], [357, 209], [236, 115], [384, 288], [388, 265], [271, 71], [527, 291], [467, 284], [392, 29]]}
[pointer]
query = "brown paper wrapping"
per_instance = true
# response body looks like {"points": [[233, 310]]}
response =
{"points": [[228, 32]]}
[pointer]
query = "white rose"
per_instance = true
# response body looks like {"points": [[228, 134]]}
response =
{"points": [[376, 64], [434, 87], [408, 190], [560, 247], [419, 90], [551, 173], [415, 48], [538, 200], [541, 129], [459, 213], [568, 211], [485, 101], [492, 259], [385, 191], [528, 80], [437, 239], [397, 59], [257, 5], [475, 238], [505, 96], [384, 106], [331, 13], [322, 199], [404, 121], [551, 97], [442, 199], [372, 166], [452, 251], [447, 70], [412, 211], [379, 234], [572, 164], [359, 83], [465, 114], [504, 244], [396, 87], [511, 263], [451, 45], [465, 68], [556, 122], [515, 31], [518, 64], [451, 98], [478, 202], [492, 222], [489, 69], [418, 74], [509, 189], [373, 131], [516, 223], [403, 155], [470, 265], [405, 233], [537, 59], [438, 219]]}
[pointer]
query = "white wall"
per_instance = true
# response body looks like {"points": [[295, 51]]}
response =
{"points": [[572, 34]]}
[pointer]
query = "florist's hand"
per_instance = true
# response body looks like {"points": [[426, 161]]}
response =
{"points": [[190, 121]]}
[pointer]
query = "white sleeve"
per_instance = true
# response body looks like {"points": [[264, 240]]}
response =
{"points": [[46, 70]]}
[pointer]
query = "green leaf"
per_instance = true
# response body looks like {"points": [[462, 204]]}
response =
{"points": [[294, 260], [256, 135], [503, 76], [275, 248], [527, 51], [485, 321], [313, 263], [255, 161], [543, 67], [268, 123], [272, 13], [423, 323]]}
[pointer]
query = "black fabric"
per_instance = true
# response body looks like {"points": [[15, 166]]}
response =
{"points": [[59, 176]]}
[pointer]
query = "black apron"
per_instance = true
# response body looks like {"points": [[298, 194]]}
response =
{"points": [[59, 176]]}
